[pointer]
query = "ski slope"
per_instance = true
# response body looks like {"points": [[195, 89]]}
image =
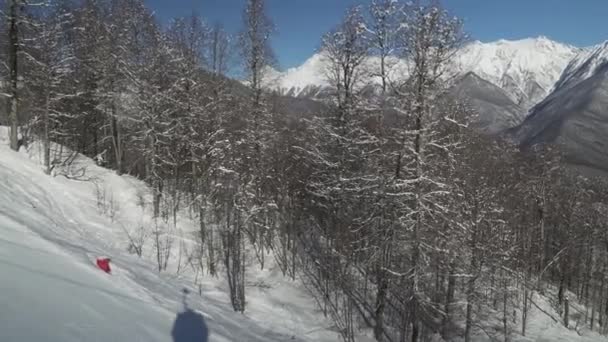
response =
{"points": [[50, 290], [49, 296]]}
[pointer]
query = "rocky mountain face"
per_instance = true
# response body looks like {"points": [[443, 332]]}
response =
{"points": [[497, 111], [575, 114]]}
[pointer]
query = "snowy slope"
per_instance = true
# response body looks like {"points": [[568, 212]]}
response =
{"points": [[50, 233], [50, 296], [525, 69]]}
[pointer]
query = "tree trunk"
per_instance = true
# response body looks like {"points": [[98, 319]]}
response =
{"points": [[418, 154], [600, 299], [560, 292], [566, 312], [415, 324], [46, 138], [202, 229], [469, 320], [211, 252], [158, 193], [469, 314], [382, 283], [13, 51], [593, 303], [449, 302], [524, 311], [505, 321], [383, 73], [117, 141]]}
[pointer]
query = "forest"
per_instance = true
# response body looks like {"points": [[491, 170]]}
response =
{"points": [[398, 214]]}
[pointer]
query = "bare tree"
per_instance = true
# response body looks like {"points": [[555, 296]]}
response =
{"points": [[345, 49], [385, 29]]}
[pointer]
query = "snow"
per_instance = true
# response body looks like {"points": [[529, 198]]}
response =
{"points": [[311, 73], [526, 69], [50, 233], [546, 326], [50, 296]]}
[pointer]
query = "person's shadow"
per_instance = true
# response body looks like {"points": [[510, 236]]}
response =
{"points": [[189, 326]]}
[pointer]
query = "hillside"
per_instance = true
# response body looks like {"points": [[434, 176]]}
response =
{"points": [[497, 112], [51, 230], [574, 114]]}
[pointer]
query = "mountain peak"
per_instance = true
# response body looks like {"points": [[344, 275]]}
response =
{"points": [[526, 69], [537, 39], [545, 39], [584, 65]]}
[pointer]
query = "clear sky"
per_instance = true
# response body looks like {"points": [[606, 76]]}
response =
{"points": [[301, 23]]}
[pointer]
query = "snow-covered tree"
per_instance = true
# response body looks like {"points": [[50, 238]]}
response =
{"points": [[429, 41], [50, 60], [345, 49], [384, 29]]}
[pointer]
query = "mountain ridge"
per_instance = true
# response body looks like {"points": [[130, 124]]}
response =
{"points": [[574, 114], [525, 69]]}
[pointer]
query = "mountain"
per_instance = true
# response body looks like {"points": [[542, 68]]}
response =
{"points": [[575, 114], [497, 111], [525, 69], [305, 80]]}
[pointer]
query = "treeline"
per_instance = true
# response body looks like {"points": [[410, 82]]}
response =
{"points": [[401, 218]]}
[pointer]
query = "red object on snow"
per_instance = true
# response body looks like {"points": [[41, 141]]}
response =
{"points": [[104, 264]]}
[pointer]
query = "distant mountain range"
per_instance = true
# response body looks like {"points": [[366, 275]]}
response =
{"points": [[535, 90], [525, 69]]}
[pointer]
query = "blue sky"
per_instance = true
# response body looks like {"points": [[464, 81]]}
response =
{"points": [[301, 23]]}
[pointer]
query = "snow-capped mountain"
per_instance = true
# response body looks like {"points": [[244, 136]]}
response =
{"points": [[583, 66], [525, 69], [575, 114], [301, 80]]}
